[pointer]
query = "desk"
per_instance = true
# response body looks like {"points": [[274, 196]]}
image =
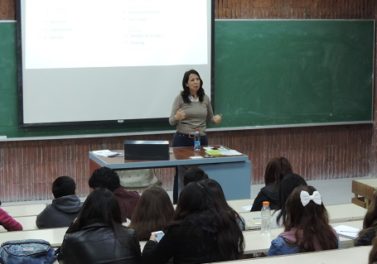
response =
{"points": [[363, 190], [24, 209], [337, 213], [232, 172], [53, 235], [256, 242], [343, 256]]}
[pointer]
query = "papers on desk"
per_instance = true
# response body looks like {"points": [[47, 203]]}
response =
{"points": [[221, 151], [347, 231], [106, 153]]}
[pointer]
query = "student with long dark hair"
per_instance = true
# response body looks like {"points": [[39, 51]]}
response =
{"points": [[218, 197], [306, 224], [97, 235], [153, 212], [198, 234], [276, 169]]}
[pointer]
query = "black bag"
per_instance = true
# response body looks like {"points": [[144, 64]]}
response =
{"points": [[30, 251]]}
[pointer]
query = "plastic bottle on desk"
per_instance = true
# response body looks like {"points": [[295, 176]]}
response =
{"points": [[197, 140], [266, 218]]}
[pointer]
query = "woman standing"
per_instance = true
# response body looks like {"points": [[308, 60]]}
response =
{"points": [[190, 113]]}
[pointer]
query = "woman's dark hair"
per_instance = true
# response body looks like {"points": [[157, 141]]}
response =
{"points": [[196, 205], [276, 169], [217, 194], [186, 91], [310, 221], [286, 186], [104, 177], [99, 207], [194, 174], [153, 212]]}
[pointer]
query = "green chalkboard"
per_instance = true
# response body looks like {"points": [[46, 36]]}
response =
{"points": [[267, 73], [283, 72]]}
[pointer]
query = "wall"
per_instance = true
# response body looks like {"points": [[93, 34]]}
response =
{"points": [[27, 168]]}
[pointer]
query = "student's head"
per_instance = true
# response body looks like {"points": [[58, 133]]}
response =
{"points": [[276, 169], [196, 206], [304, 206], [306, 214], [194, 174], [193, 198], [370, 218], [99, 207], [289, 182], [286, 186], [104, 178], [62, 186], [153, 212]]}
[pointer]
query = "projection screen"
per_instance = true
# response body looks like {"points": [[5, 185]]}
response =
{"points": [[91, 60]]}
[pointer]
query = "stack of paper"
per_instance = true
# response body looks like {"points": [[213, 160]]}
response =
{"points": [[221, 151], [106, 153], [347, 231]]}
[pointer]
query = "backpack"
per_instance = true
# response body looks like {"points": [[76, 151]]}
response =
{"points": [[29, 251]]}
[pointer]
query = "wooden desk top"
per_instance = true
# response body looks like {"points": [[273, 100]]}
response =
{"points": [[178, 156]]}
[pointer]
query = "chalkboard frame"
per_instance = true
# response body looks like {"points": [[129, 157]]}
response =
{"points": [[9, 129]]}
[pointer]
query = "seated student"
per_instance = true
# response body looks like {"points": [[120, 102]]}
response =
{"points": [[369, 230], [194, 174], [64, 207], [218, 197], [8, 222], [306, 225], [274, 173], [153, 212], [97, 235], [198, 234], [286, 186], [109, 179]]}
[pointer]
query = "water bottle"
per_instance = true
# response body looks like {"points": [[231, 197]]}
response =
{"points": [[197, 140], [266, 218]]}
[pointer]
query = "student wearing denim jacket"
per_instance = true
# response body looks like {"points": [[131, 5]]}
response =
{"points": [[306, 225]]}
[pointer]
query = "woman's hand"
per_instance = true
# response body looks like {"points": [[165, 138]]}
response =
{"points": [[180, 115], [217, 119]]}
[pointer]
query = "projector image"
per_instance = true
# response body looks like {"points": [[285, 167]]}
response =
{"points": [[146, 150]]}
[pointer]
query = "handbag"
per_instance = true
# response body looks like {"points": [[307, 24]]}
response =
{"points": [[29, 251]]}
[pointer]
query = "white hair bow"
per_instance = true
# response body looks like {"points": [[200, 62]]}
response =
{"points": [[306, 198]]}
